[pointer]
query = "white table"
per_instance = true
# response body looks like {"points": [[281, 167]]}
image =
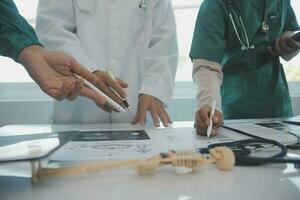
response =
{"points": [[269, 182]]}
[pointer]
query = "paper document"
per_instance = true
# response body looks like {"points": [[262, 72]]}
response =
{"points": [[106, 145], [136, 144], [186, 138], [271, 131]]}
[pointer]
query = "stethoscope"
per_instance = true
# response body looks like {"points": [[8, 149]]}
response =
{"points": [[244, 149], [245, 45]]}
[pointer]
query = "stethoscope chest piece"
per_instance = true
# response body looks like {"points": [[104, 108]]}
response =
{"points": [[245, 48], [265, 27], [251, 152]]}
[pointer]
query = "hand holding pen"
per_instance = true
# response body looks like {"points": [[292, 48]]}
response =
{"points": [[208, 120], [124, 101], [113, 88]]}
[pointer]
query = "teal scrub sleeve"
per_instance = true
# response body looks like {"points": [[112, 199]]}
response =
{"points": [[15, 32], [209, 39], [291, 23]]}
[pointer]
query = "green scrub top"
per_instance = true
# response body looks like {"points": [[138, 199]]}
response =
{"points": [[254, 84], [15, 32]]}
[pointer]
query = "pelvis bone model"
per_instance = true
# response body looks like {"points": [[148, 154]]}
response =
{"points": [[223, 157]]}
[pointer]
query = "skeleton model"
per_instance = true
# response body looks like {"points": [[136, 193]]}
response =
{"points": [[223, 157]]}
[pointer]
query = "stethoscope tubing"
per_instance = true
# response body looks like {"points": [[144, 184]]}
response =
{"points": [[231, 12], [245, 160]]}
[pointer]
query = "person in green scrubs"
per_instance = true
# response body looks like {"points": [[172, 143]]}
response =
{"points": [[53, 71], [236, 52]]}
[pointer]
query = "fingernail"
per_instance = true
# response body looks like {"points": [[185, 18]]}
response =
{"points": [[124, 95], [216, 119]]}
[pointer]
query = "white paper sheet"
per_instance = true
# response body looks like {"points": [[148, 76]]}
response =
{"points": [[107, 145], [186, 138], [125, 145], [270, 130]]}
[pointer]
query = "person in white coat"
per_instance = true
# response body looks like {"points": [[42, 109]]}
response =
{"points": [[135, 39]]}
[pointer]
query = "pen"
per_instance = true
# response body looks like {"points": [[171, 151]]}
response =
{"points": [[125, 102], [107, 98], [213, 109]]}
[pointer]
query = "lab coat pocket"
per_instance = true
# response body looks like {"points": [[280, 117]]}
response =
{"points": [[86, 6]]}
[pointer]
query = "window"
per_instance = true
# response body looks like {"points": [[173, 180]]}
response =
{"points": [[292, 68], [185, 11], [14, 72]]}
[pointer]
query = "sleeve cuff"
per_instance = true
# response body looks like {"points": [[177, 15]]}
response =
{"points": [[19, 49], [208, 77], [164, 96], [14, 43]]}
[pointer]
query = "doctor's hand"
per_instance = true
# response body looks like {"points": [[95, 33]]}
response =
{"points": [[155, 107], [114, 88], [202, 121], [284, 45], [54, 72]]}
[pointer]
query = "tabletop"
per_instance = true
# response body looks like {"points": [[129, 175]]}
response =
{"points": [[273, 181]]}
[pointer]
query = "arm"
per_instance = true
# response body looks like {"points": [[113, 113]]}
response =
{"points": [[284, 46], [208, 77], [162, 54], [161, 65], [52, 71], [207, 51], [15, 33]]}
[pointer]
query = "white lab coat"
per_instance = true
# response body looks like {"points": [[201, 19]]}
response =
{"points": [[138, 44]]}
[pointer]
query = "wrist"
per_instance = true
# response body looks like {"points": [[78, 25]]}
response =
{"points": [[29, 53]]}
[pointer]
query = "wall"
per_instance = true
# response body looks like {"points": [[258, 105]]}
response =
{"points": [[38, 112]]}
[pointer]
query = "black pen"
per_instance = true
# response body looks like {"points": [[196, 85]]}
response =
{"points": [[125, 102]]}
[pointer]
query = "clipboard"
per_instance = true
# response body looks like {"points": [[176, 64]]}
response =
{"points": [[33, 146]]}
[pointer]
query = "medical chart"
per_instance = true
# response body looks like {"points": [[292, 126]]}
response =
{"points": [[187, 138], [136, 144], [270, 130], [106, 145]]}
